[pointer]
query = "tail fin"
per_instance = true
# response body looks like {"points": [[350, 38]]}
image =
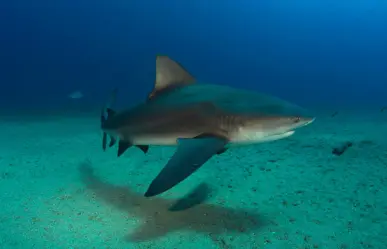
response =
{"points": [[109, 113], [106, 113]]}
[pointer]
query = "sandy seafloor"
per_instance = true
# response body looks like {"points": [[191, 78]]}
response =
{"points": [[60, 191]]}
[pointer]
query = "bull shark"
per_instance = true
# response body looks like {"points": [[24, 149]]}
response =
{"points": [[202, 120]]}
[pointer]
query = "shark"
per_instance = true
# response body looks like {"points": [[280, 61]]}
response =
{"points": [[201, 120]]}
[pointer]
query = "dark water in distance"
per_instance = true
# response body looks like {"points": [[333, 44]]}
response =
{"points": [[313, 53]]}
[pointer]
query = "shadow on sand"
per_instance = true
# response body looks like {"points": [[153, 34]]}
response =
{"points": [[160, 216]]}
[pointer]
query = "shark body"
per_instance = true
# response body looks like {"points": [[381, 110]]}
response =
{"points": [[202, 120]]}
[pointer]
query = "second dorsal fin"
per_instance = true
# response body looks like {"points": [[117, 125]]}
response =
{"points": [[169, 75]]}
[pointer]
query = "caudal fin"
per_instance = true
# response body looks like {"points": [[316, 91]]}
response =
{"points": [[110, 113], [106, 113]]}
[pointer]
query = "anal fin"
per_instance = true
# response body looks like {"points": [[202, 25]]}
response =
{"points": [[143, 148], [122, 147]]}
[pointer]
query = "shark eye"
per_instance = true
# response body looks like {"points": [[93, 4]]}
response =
{"points": [[296, 119]]}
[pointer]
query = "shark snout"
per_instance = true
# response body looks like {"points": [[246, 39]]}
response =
{"points": [[282, 124], [290, 124], [304, 121], [270, 128]]}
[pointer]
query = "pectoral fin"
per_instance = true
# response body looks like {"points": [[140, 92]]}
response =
{"points": [[190, 155]]}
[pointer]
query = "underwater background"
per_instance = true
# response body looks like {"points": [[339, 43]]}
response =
{"points": [[60, 190]]}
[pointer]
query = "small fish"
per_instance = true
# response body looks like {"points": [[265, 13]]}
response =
{"points": [[383, 109], [75, 95], [334, 114]]}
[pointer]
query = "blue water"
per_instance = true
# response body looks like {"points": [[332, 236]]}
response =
{"points": [[328, 56], [312, 52]]}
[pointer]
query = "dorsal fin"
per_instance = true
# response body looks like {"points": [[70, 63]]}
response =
{"points": [[169, 75]]}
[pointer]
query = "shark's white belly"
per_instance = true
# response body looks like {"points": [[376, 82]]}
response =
{"points": [[238, 139], [257, 137], [161, 140], [168, 139]]}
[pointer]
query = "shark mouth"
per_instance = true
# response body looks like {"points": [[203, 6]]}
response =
{"points": [[278, 136]]}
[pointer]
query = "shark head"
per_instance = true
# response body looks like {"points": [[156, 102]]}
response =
{"points": [[255, 129]]}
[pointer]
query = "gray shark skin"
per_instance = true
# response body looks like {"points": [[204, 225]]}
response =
{"points": [[202, 120]]}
